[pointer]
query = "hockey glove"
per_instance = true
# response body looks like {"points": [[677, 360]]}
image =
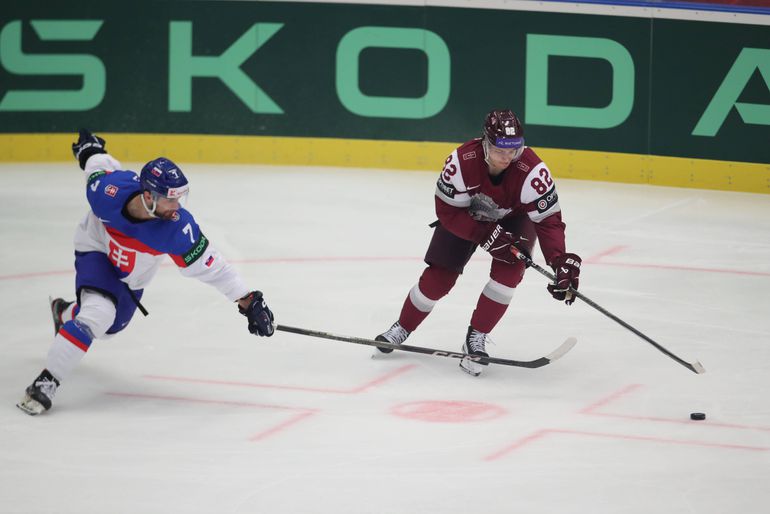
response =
{"points": [[567, 268], [87, 145], [498, 243], [259, 316]]}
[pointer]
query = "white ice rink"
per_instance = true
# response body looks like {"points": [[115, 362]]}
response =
{"points": [[185, 412]]}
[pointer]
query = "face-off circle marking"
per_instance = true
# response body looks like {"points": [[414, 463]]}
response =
{"points": [[440, 411]]}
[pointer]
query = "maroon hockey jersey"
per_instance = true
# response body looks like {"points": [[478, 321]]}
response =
{"points": [[469, 202]]}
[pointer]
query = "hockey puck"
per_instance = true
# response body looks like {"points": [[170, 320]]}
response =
{"points": [[698, 416]]}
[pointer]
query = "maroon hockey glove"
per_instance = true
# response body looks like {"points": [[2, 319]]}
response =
{"points": [[567, 268], [259, 316], [498, 243]]}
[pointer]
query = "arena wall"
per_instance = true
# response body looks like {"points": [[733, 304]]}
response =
{"points": [[635, 92]]}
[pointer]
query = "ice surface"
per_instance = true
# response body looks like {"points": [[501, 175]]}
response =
{"points": [[185, 412]]}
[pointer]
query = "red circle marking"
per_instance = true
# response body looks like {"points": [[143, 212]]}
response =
{"points": [[448, 411]]}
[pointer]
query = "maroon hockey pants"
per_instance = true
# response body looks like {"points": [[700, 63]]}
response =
{"points": [[446, 257]]}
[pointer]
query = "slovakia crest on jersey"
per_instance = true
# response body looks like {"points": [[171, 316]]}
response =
{"points": [[121, 258], [111, 190]]}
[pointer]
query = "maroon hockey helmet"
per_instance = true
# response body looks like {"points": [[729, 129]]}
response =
{"points": [[503, 129]]}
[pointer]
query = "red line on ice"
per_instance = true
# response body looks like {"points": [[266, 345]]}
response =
{"points": [[609, 399], [594, 260], [542, 433], [233, 403], [592, 409], [302, 415], [353, 390], [281, 426]]}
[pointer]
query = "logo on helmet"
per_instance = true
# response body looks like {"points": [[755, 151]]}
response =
{"points": [[163, 178], [503, 129]]}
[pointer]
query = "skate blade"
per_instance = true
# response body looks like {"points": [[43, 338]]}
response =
{"points": [[471, 368], [377, 353], [31, 406]]}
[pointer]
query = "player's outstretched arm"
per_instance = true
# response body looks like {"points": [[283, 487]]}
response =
{"points": [[88, 145], [260, 317]]}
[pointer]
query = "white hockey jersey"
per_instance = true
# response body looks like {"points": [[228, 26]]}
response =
{"points": [[135, 248]]}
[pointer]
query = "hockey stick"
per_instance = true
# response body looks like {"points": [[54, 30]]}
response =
{"points": [[695, 367], [537, 363]]}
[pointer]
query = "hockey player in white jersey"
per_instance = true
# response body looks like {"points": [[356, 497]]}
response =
{"points": [[135, 223]]}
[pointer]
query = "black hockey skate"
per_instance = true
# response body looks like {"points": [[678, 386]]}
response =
{"points": [[396, 334], [475, 345], [39, 395], [58, 306]]}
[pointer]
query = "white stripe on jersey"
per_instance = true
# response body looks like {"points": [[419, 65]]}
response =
{"points": [[452, 180]]}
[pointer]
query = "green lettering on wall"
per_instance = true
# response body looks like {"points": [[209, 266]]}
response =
{"points": [[439, 66], [89, 67], [184, 66], [538, 111], [732, 86]]}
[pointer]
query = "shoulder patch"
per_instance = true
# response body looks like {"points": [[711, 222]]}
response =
{"points": [[111, 190], [93, 176], [196, 251], [547, 201], [446, 188], [469, 155], [522, 166]]}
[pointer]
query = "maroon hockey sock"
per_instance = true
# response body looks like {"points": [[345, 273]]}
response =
{"points": [[433, 285], [411, 316], [487, 314]]}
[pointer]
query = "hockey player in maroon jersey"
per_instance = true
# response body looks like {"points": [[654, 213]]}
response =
{"points": [[494, 192]]}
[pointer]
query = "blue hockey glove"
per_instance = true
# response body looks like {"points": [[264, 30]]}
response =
{"points": [[87, 145], [259, 315]]}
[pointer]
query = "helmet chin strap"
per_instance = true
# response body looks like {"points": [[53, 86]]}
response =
{"points": [[151, 212]]}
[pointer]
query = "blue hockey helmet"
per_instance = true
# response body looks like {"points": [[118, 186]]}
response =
{"points": [[164, 179]]}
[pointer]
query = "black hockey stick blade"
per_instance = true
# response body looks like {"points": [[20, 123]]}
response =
{"points": [[695, 367], [537, 363]]}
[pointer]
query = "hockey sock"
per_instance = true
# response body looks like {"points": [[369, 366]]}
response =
{"points": [[69, 346], [433, 285], [492, 304]]}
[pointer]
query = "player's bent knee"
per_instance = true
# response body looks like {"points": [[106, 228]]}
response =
{"points": [[97, 312]]}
